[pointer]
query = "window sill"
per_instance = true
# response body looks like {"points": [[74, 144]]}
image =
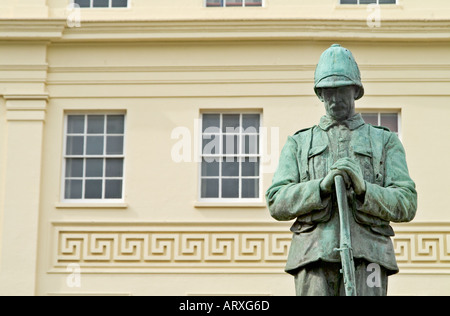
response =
{"points": [[62, 205], [200, 204], [366, 6]]}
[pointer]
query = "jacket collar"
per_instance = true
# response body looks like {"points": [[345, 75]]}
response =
{"points": [[352, 123]]}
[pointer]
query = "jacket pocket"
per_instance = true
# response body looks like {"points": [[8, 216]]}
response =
{"points": [[317, 161], [298, 227], [376, 224], [316, 216], [383, 230], [363, 151], [364, 156], [316, 150]]}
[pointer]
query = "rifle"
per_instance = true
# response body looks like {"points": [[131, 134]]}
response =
{"points": [[345, 246]]}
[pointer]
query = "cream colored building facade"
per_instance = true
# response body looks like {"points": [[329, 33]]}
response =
{"points": [[158, 67]]}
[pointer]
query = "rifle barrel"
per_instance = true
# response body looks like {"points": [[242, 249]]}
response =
{"points": [[345, 247]]}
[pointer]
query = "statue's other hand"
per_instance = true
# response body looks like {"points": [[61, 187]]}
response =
{"points": [[353, 170], [327, 184]]}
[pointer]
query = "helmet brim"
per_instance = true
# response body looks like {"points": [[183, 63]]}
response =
{"points": [[334, 81]]}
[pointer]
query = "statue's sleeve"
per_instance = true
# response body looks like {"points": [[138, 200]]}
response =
{"points": [[287, 198], [397, 200]]}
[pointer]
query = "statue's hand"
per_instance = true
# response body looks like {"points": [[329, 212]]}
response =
{"points": [[327, 184], [353, 170]]}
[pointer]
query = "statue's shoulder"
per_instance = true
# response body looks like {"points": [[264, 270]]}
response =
{"points": [[304, 131], [380, 127]]}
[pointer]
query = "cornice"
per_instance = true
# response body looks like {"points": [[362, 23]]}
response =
{"points": [[302, 29], [214, 30]]}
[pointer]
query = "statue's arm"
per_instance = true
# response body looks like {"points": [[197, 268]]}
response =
{"points": [[397, 200], [287, 198]]}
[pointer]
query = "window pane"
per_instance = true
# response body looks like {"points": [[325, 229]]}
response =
{"points": [[75, 124], [387, 1], [250, 123], [214, 3], [73, 189], [250, 188], [94, 145], [119, 3], [367, 1], [250, 144], [370, 118], [349, 1], [113, 189], [211, 123], [250, 167], [230, 188], [210, 168], [114, 167], [253, 3], [94, 167], [116, 124], [211, 144], [101, 3], [83, 3], [210, 188], [230, 167], [230, 145], [230, 123], [234, 3], [390, 120], [114, 145], [74, 167], [93, 189], [74, 145], [96, 124]]}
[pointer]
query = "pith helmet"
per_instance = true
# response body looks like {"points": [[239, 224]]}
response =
{"points": [[337, 68]]}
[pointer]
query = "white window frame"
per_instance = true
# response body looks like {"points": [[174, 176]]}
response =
{"points": [[83, 200], [240, 155], [378, 3], [108, 7], [243, 5], [382, 111]]}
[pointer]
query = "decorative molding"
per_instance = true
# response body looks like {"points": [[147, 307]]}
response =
{"points": [[56, 29], [249, 74], [31, 29], [259, 29], [234, 247], [239, 68], [423, 248], [26, 106], [171, 247]]}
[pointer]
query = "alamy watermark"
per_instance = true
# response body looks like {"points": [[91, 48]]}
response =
{"points": [[193, 145], [73, 13], [74, 278], [374, 278], [374, 18]]}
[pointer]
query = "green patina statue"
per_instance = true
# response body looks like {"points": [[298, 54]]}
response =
{"points": [[370, 160]]}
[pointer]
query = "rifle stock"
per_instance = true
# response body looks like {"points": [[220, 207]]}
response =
{"points": [[345, 246]]}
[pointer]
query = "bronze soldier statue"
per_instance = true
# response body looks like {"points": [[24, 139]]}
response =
{"points": [[370, 160]]}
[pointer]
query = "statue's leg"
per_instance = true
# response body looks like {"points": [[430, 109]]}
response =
{"points": [[318, 279], [371, 279]]}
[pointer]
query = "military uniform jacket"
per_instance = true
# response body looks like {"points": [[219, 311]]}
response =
{"points": [[295, 193]]}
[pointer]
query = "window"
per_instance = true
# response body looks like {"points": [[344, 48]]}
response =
{"points": [[234, 3], [368, 1], [230, 165], [102, 3], [390, 120], [94, 157]]}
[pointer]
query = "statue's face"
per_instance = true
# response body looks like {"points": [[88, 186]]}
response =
{"points": [[339, 102]]}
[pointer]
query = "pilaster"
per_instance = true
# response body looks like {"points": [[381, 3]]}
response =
{"points": [[25, 116]]}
